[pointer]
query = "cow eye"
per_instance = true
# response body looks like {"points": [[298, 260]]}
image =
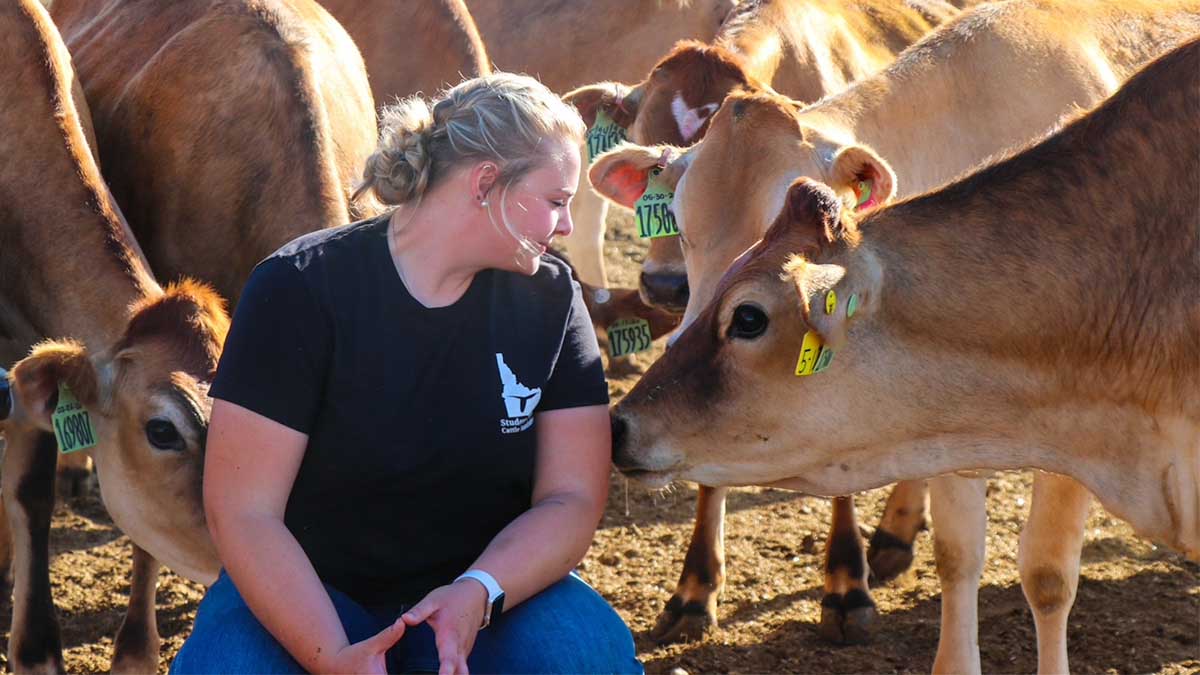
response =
{"points": [[163, 435], [749, 322]]}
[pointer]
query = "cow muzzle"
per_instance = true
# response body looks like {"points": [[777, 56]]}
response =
{"points": [[665, 290], [635, 461]]}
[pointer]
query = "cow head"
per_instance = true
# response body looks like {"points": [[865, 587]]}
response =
{"points": [[731, 185], [147, 399], [724, 406], [672, 106]]}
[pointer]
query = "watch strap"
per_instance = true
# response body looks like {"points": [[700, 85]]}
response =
{"points": [[495, 599]]}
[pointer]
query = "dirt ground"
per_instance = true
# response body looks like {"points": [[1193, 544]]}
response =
{"points": [[1138, 606]]}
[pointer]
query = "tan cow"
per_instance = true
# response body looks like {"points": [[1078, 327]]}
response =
{"points": [[806, 49], [568, 44], [997, 75], [1043, 312], [229, 127], [412, 46], [139, 361]]}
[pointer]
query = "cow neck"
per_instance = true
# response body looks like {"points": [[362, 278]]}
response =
{"points": [[81, 266]]}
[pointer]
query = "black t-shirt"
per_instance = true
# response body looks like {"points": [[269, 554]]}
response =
{"points": [[421, 443]]}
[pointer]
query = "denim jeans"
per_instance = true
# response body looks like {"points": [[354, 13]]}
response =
{"points": [[567, 628]]}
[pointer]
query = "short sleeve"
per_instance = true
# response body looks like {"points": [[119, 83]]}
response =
{"points": [[277, 351], [578, 375]]}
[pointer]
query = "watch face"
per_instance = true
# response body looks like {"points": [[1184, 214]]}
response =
{"points": [[497, 606]]}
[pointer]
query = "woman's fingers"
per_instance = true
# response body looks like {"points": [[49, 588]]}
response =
{"points": [[386, 638], [420, 612]]}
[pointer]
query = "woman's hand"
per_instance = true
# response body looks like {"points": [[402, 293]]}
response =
{"points": [[367, 656], [455, 613]]}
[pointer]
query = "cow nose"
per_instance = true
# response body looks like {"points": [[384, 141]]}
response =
{"points": [[668, 290], [619, 432]]}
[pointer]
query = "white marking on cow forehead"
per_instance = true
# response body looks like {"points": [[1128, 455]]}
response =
{"points": [[688, 119]]}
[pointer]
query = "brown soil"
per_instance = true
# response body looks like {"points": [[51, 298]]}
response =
{"points": [[1138, 606]]}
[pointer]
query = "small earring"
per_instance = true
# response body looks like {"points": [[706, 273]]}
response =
{"points": [[483, 203]]}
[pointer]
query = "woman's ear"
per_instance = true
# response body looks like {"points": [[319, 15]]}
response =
{"points": [[483, 178]]}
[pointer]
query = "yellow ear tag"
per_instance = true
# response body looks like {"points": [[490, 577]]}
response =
{"points": [[72, 427], [852, 305], [652, 211], [810, 349], [628, 336], [604, 135], [830, 302]]}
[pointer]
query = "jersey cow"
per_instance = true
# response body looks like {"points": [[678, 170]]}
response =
{"points": [[412, 46], [229, 126], [992, 78], [568, 44], [806, 49], [138, 363], [1040, 313]]}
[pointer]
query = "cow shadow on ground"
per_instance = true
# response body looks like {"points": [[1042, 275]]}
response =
{"points": [[1126, 625]]}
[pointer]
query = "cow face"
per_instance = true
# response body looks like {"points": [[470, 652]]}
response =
{"points": [[724, 406], [673, 106], [147, 400]]}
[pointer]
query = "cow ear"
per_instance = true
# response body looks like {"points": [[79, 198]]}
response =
{"points": [[620, 101], [36, 379], [621, 174], [829, 295], [858, 171]]}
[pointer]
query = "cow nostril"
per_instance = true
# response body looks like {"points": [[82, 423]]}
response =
{"points": [[667, 290], [619, 431]]}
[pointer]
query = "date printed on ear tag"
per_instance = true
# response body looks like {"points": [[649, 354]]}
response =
{"points": [[628, 336], [652, 211], [72, 427], [814, 356], [604, 135]]}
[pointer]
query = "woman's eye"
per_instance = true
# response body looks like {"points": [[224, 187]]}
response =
{"points": [[749, 322], [559, 203]]}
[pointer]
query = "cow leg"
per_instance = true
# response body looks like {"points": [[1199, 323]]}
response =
{"points": [[27, 484], [1049, 562], [847, 610], [891, 550], [74, 474], [692, 610], [958, 506], [6, 547], [135, 649], [585, 244]]}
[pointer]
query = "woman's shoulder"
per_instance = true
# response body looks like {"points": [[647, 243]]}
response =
{"points": [[346, 241]]}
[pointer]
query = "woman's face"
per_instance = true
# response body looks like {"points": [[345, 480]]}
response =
{"points": [[536, 208]]}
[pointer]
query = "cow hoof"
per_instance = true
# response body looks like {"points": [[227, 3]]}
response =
{"points": [[847, 619], [683, 622], [889, 556]]}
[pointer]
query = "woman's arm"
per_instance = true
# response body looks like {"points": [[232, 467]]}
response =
{"points": [[250, 465], [541, 545]]}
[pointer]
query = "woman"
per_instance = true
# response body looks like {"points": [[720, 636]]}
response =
{"points": [[409, 430]]}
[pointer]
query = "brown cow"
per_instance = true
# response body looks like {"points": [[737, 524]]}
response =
{"points": [[412, 46], [806, 49], [229, 127], [568, 44], [139, 361], [1042, 312], [991, 78]]}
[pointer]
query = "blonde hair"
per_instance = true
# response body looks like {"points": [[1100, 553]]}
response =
{"points": [[501, 117]]}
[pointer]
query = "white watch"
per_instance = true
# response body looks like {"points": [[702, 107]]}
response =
{"points": [[495, 600]]}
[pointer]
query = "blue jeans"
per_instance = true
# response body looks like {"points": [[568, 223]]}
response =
{"points": [[567, 628]]}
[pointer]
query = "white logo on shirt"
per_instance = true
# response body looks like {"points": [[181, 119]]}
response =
{"points": [[519, 400]]}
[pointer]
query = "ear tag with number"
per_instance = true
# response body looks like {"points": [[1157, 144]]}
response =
{"points": [[628, 336], [604, 135], [72, 427], [830, 302], [823, 359], [852, 305], [652, 211], [810, 349]]}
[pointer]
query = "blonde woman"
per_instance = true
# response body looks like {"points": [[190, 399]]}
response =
{"points": [[409, 445]]}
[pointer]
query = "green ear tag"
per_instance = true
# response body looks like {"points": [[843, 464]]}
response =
{"points": [[823, 359], [852, 305], [652, 211], [830, 302], [863, 188], [72, 427], [604, 135], [628, 336]]}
